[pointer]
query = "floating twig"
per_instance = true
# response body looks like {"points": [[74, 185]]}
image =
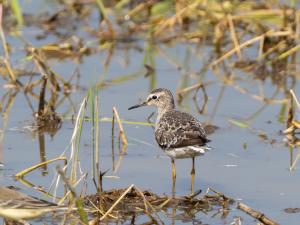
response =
{"points": [[255, 214]]}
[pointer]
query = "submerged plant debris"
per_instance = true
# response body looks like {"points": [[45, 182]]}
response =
{"points": [[124, 205], [138, 202]]}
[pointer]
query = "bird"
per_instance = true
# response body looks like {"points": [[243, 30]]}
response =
{"points": [[179, 134]]}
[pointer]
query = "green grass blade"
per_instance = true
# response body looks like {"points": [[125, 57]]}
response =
{"points": [[82, 214], [17, 11], [239, 123]]}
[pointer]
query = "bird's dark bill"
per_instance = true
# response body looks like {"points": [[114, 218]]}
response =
{"points": [[137, 106]]}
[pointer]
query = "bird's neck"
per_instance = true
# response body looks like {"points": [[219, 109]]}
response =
{"points": [[162, 110]]}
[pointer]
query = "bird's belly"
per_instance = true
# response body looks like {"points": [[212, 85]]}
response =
{"points": [[186, 152]]}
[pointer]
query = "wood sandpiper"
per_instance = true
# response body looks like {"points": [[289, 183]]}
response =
{"points": [[179, 134]]}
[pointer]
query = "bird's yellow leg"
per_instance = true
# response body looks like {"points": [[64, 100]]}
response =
{"points": [[173, 177], [193, 176]]}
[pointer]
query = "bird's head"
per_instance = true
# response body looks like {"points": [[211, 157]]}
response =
{"points": [[160, 97]]}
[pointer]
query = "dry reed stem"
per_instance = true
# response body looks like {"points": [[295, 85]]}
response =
{"points": [[44, 69], [100, 211], [149, 204], [292, 125], [297, 22], [202, 110], [255, 214], [295, 99], [288, 52], [265, 13], [73, 142], [117, 202], [261, 48], [232, 51], [5, 111], [31, 84], [120, 159], [296, 124], [26, 183], [289, 130], [28, 170], [67, 182], [122, 133], [143, 5], [295, 161], [9, 70], [196, 193], [269, 33], [234, 36], [181, 92], [290, 115], [262, 55], [62, 199], [164, 203], [145, 205], [75, 200], [196, 87], [171, 21], [2, 34], [218, 193]]}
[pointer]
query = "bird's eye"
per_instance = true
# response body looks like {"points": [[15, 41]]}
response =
{"points": [[154, 97]]}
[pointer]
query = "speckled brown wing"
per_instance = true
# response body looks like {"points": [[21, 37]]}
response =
{"points": [[178, 129]]}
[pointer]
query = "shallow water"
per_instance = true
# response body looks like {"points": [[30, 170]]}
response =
{"points": [[241, 164]]}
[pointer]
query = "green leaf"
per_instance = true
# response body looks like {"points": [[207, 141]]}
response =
{"points": [[239, 123], [161, 8], [17, 11]]}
